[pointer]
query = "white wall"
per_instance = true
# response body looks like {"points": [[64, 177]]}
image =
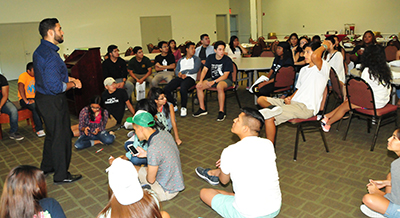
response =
{"points": [[242, 9], [98, 23], [286, 16]]}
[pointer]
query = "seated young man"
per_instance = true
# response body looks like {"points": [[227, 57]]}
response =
{"points": [[139, 67], [221, 67], [115, 100], [186, 75], [205, 49], [246, 201], [26, 96], [163, 172], [306, 100], [164, 65]]}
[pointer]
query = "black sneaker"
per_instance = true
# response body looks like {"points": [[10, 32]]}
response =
{"points": [[221, 116], [16, 136], [203, 173], [70, 179], [200, 112]]}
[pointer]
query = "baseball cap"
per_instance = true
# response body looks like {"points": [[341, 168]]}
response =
{"points": [[109, 81], [124, 182], [142, 118]]}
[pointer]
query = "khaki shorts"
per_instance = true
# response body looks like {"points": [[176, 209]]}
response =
{"points": [[156, 187], [291, 111], [111, 122]]}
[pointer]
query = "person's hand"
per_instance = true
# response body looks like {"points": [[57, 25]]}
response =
{"points": [[120, 85], [111, 159], [31, 101], [203, 62], [210, 83], [86, 131], [180, 75], [288, 100], [360, 51], [178, 141], [294, 48], [142, 152], [328, 43], [372, 188], [78, 83], [218, 163], [183, 76], [96, 131], [380, 183]]}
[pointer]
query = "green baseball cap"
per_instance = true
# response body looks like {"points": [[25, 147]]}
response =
{"points": [[142, 118]]}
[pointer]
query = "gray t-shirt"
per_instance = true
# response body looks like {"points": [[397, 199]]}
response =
{"points": [[164, 153], [394, 195]]}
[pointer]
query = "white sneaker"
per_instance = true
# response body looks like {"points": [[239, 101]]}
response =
{"points": [[40, 133], [258, 81], [175, 108], [270, 111], [370, 213], [183, 112], [130, 134]]}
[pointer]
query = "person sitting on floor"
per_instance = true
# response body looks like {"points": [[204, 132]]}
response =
{"points": [[92, 124], [245, 202], [163, 172], [385, 204], [186, 74], [164, 65], [306, 100], [26, 96], [128, 199], [221, 67], [377, 74]]}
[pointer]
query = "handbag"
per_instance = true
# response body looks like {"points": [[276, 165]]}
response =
{"points": [[140, 91]]}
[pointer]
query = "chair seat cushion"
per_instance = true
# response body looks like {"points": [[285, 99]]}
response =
{"points": [[298, 120], [282, 89], [387, 109]]}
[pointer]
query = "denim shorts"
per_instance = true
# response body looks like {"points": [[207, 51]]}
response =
{"points": [[392, 211], [223, 205]]}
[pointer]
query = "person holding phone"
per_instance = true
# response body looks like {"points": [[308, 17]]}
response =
{"points": [[92, 124]]}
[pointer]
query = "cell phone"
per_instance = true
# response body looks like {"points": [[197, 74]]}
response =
{"points": [[133, 149]]}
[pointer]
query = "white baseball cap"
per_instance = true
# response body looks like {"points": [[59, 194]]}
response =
{"points": [[109, 81]]}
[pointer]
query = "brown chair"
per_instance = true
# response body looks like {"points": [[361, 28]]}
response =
{"points": [[360, 93], [311, 124], [150, 47], [284, 80], [233, 87], [156, 50], [267, 54], [336, 87], [257, 50], [390, 52], [23, 114]]}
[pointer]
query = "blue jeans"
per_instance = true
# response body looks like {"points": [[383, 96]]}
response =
{"points": [[392, 211], [85, 141], [36, 118], [10, 109], [135, 160]]}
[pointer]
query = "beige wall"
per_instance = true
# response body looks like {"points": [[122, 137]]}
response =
{"points": [[98, 23], [242, 9], [286, 16]]}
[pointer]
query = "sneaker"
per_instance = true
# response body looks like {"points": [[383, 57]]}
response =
{"points": [[183, 112], [16, 136], [221, 116], [203, 173], [40, 133], [175, 108], [69, 179], [258, 81], [325, 120], [325, 127], [270, 111], [130, 134], [146, 186], [200, 112], [368, 212]]}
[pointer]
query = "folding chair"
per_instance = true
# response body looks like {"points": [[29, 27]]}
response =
{"points": [[284, 80]]}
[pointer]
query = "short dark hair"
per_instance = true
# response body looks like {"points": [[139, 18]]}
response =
{"points": [[189, 44], [218, 43], [136, 49], [111, 48], [331, 38], [203, 35], [313, 45], [254, 114], [29, 66], [316, 38], [46, 25], [162, 43]]}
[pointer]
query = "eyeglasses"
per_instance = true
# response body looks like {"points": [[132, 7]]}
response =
{"points": [[95, 108]]}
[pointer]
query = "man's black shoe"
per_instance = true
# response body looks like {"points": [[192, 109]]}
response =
{"points": [[70, 179]]}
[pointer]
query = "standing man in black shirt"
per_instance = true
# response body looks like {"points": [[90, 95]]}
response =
{"points": [[115, 67], [165, 65]]}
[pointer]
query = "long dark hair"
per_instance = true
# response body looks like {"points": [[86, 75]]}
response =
{"points": [[291, 35], [287, 53], [95, 100], [363, 44], [300, 49], [154, 93], [24, 186], [375, 59], [169, 47], [232, 46]]}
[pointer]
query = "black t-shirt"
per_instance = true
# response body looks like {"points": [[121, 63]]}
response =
{"points": [[278, 63], [165, 60], [202, 53], [115, 103], [139, 67], [3, 82], [218, 67], [115, 70], [52, 206]]}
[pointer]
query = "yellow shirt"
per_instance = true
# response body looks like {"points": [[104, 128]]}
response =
{"points": [[29, 83]]}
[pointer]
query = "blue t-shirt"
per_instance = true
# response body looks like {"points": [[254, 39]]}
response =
{"points": [[52, 207]]}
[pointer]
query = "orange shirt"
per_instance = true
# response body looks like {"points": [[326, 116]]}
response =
{"points": [[29, 83]]}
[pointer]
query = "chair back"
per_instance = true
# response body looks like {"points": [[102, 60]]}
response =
{"points": [[267, 54], [150, 47], [390, 52], [234, 72], [324, 101], [199, 74], [285, 77], [257, 49], [335, 84], [360, 93]]}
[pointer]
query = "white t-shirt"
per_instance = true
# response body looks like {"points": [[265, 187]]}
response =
{"points": [[237, 53], [311, 85], [253, 201], [336, 63], [188, 64], [381, 93]]}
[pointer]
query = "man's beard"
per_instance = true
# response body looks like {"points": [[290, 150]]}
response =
{"points": [[59, 39]]}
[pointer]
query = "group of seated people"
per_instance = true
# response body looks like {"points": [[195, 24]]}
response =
{"points": [[160, 176]]}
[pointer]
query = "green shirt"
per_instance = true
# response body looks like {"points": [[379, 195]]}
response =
{"points": [[139, 67]]}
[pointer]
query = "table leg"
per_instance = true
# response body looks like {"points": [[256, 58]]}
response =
{"points": [[394, 93], [255, 77]]}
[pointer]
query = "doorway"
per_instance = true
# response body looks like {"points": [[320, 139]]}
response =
{"points": [[154, 30], [233, 25], [222, 30]]}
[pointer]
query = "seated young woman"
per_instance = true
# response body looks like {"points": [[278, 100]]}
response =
{"points": [[385, 204], [298, 53], [283, 58], [174, 50], [235, 49], [293, 40], [92, 125], [367, 40], [377, 74], [335, 59]]}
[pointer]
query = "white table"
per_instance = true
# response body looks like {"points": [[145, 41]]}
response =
{"points": [[248, 45], [151, 56]]}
